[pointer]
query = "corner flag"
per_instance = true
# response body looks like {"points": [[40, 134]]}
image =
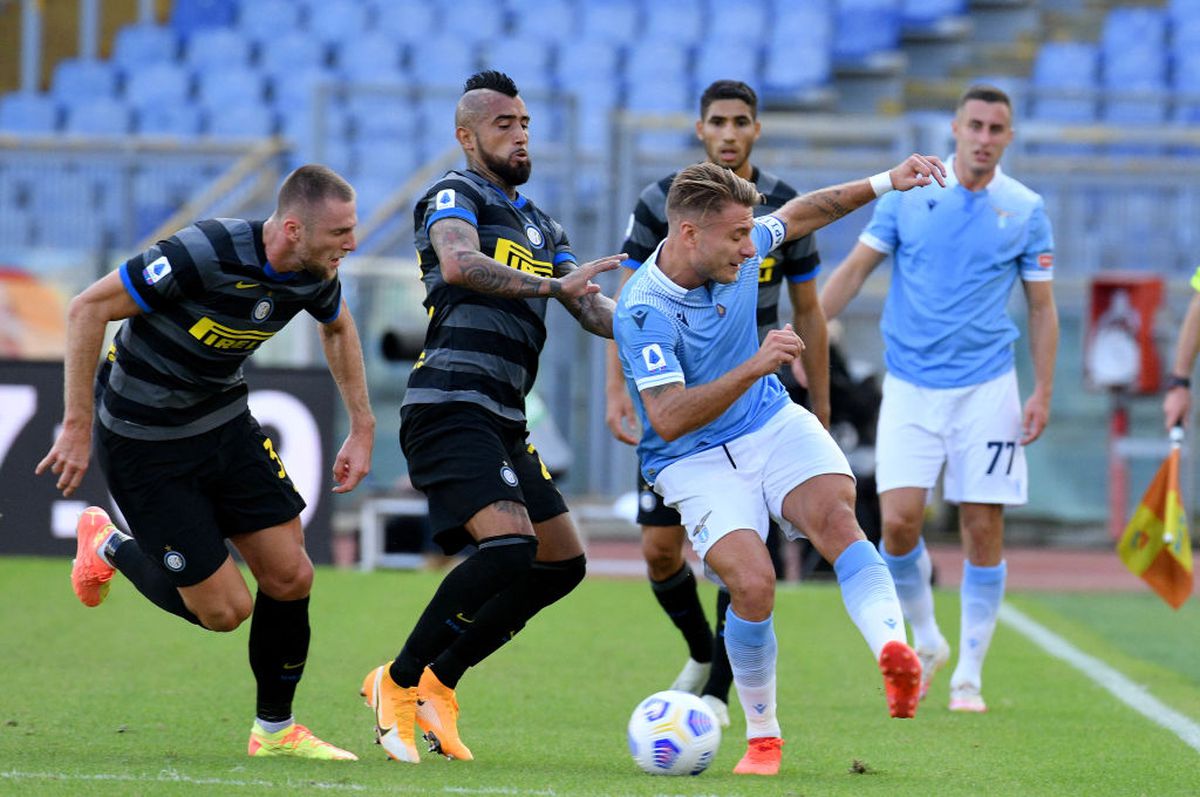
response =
{"points": [[1156, 545]]}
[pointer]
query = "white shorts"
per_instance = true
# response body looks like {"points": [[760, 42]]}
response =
{"points": [[742, 484], [974, 431]]}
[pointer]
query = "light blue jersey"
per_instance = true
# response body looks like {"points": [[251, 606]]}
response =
{"points": [[666, 334], [956, 254]]}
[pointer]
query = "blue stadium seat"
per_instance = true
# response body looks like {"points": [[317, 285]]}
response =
{"points": [[554, 21], [382, 120], [716, 60], [1134, 27], [617, 21], [231, 84], [249, 120], [82, 78], [407, 20], [658, 96], [17, 227], [441, 61], [338, 22], [295, 93], [1133, 49], [588, 61], [662, 63], [139, 46], [191, 16], [788, 72], [475, 21], [529, 62], [1064, 82], [864, 28], [390, 165], [927, 14], [802, 24], [102, 116], [263, 20], [749, 22], [373, 58], [284, 54], [29, 113], [157, 83], [679, 22], [170, 119], [217, 47]]}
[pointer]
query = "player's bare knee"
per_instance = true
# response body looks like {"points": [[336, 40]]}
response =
{"points": [[288, 584], [752, 593], [901, 530], [225, 616], [662, 551]]}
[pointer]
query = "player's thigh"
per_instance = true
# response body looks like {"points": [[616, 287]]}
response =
{"points": [[986, 463], [713, 498], [278, 560], [154, 482], [823, 507], [222, 601], [743, 565], [909, 449]]}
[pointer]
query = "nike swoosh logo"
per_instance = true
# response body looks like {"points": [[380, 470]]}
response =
{"points": [[287, 666], [240, 284], [464, 619]]}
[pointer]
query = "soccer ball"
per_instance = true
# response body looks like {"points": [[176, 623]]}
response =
{"points": [[673, 733]]}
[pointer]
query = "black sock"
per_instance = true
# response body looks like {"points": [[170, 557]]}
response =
{"points": [[679, 599], [149, 579], [503, 616], [279, 634], [498, 562], [720, 677]]}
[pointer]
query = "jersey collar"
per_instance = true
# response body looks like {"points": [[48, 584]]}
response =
{"points": [[519, 202]]}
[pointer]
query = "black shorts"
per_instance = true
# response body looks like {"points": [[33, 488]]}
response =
{"points": [[651, 509], [182, 498], [464, 458]]}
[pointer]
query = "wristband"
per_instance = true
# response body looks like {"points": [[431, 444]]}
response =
{"points": [[1175, 380], [881, 183]]}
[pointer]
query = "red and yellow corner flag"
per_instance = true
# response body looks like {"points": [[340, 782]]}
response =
{"points": [[1155, 545]]}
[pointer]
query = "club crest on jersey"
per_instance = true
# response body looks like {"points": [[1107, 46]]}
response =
{"points": [[534, 235], [508, 475], [157, 269], [652, 355], [445, 199], [174, 561], [262, 310], [1046, 260], [721, 310]]}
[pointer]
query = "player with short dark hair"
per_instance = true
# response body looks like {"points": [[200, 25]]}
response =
{"points": [[950, 397], [728, 127], [723, 444], [185, 460], [490, 259]]}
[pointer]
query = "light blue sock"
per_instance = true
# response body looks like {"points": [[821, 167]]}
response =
{"points": [[911, 573], [870, 595], [752, 650], [982, 592], [274, 727]]}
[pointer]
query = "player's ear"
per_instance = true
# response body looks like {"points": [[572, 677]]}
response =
{"points": [[466, 139], [700, 129]]}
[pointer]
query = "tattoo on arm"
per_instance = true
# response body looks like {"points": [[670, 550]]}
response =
{"points": [[828, 203], [455, 240], [659, 390]]}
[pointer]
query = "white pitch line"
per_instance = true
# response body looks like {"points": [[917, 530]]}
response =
{"points": [[1131, 694]]}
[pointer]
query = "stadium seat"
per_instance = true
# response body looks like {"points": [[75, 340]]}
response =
{"points": [[210, 48], [663, 62], [929, 14], [156, 84], [339, 23], [617, 21], [169, 119], [1064, 82], [555, 21], [391, 163], [373, 58], [191, 16], [748, 22], [474, 21], [383, 120], [800, 24], [788, 72], [249, 120], [264, 20], [17, 228], [78, 79], [864, 28], [679, 22], [407, 21], [287, 53], [295, 93], [102, 116], [585, 61], [28, 113], [717, 60], [529, 62], [441, 62], [231, 84], [139, 46]]}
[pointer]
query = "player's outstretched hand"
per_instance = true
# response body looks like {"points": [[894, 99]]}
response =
{"points": [[68, 457], [779, 347], [578, 283], [918, 170], [353, 462]]}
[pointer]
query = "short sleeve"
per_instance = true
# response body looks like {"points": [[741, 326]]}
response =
{"points": [[562, 245], [1037, 260], [453, 199], [156, 278], [881, 234], [326, 305], [768, 233], [646, 341], [800, 259], [647, 226]]}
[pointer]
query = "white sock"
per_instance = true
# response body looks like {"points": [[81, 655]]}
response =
{"points": [[870, 595], [911, 573], [982, 591], [752, 651], [274, 727]]}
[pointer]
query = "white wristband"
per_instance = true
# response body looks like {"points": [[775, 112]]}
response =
{"points": [[881, 183]]}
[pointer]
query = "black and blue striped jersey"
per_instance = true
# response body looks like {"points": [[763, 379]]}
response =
{"points": [[480, 348], [209, 300], [796, 260]]}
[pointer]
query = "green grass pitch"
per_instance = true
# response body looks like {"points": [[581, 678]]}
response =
{"points": [[126, 700]]}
